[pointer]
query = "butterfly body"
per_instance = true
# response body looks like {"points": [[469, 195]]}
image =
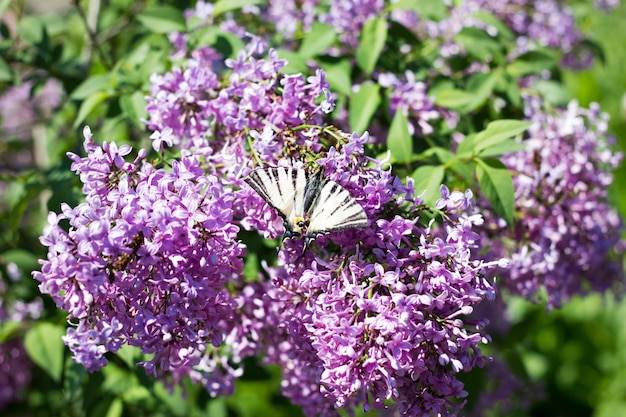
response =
{"points": [[309, 205]]}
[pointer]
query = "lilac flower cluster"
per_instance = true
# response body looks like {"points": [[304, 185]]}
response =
{"points": [[411, 96], [535, 23], [20, 108], [379, 314], [505, 394], [145, 260], [210, 115], [565, 231], [14, 371], [15, 365], [348, 17]]}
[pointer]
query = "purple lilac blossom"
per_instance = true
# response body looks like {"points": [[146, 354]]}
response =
{"points": [[289, 16], [606, 5], [145, 260], [210, 114], [379, 315], [14, 371], [505, 393], [15, 365], [565, 233], [20, 108], [411, 96], [374, 315], [347, 18], [535, 23]]}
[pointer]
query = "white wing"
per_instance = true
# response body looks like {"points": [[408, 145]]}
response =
{"points": [[334, 210], [282, 188]]}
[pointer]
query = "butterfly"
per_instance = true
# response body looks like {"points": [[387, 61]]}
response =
{"points": [[309, 204]]}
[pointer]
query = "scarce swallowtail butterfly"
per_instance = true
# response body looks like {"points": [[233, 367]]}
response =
{"points": [[309, 205]]}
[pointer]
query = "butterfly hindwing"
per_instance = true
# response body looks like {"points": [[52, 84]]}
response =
{"points": [[335, 210]]}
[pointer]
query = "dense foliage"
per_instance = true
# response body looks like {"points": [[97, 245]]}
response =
{"points": [[162, 282]]}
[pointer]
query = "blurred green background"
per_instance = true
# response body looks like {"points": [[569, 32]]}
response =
{"points": [[574, 357]]}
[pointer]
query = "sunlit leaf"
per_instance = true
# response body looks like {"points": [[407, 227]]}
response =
{"points": [[88, 106], [318, 40], [363, 105], [223, 6], [162, 19], [496, 184], [532, 62], [5, 71], [499, 131], [93, 84], [373, 37], [134, 107], [45, 347], [430, 9], [429, 178], [399, 140], [338, 75]]}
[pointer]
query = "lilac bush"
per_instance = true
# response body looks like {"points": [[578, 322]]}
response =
{"points": [[566, 234], [377, 314], [15, 365], [168, 251], [145, 261]]}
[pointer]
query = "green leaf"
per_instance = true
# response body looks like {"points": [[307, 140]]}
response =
{"points": [[506, 146], [117, 380], [553, 92], [363, 105], [467, 145], [87, 107], [3, 5], [163, 19], [499, 131], [93, 84], [443, 155], [532, 62], [228, 44], [31, 29], [8, 330], [134, 107], [338, 75], [223, 6], [74, 376], [130, 355], [116, 408], [479, 89], [45, 347], [429, 9], [454, 99], [429, 178], [464, 168], [373, 37], [5, 71], [317, 41], [504, 31], [497, 185], [295, 63], [24, 259], [481, 85], [176, 402], [251, 267], [479, 44], [399, 141]]}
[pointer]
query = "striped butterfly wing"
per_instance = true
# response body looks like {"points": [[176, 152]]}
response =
{"points": [[335, 210], [282, 188]]}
